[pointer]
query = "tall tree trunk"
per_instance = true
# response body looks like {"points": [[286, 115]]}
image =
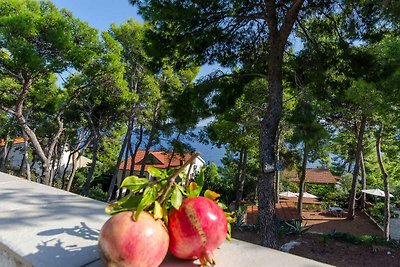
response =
{"points": [[173, 151], [26, 153], [21, 166], [127, 152], [269, 127], [6, 152], [73, 171], [134, 153], [386, 227], [147, 151], [79, 152], [302, 180], [86, 188], [151, 137], [65, 170], [278, 172], [241, 177], [53, 170], [363, 180], [270, 121], [127, 139], [360, 138]]}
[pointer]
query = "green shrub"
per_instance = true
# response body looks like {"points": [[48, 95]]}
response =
{"points": [[368, 240], [292, 227], [320, 190], [377, 211], [337, 199], [97, 193]]}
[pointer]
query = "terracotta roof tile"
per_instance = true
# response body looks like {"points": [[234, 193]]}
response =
{"points": [[315, 176], [17, 140], [161, 160]]}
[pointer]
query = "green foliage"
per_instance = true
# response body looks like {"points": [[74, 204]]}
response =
{"points": [[286, 184], [293, 227], [337, 199], [368, 240], [212, 180], [377, 211], [320, 190], [97, 193]]}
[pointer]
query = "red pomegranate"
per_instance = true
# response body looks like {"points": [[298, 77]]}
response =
{"points": [[196, 229], [125, 242]]}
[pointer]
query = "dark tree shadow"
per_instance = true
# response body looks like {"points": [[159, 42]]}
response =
{"points": [[55, 252], [81, 231]]}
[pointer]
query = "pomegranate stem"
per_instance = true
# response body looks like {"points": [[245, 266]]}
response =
{"points": [[171, 179]]}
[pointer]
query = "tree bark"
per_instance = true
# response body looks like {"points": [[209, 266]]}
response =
{"points": [[79, 151], [360, 138], [151, 137], [26, 153], [302, 181], [134, 153], [53, 170], [73, 171], [386, 226], [241, 177], [65, 170], [6, 152], [127, 139], [270, 121], [127, 151], [21, 166], [277, 173], [85, 190], [363, 180]]}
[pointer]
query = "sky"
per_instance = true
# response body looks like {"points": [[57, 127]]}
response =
{"points": [[100, 13]]}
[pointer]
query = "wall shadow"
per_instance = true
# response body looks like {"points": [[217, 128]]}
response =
{"points": [[62, 251]]}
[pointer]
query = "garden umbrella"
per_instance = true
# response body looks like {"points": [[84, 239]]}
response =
{"points": [[308, 195], [375, 192], [287, 194]]}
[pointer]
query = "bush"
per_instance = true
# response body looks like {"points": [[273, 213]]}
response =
{"points": [[97, 193], [368, 240], [337, 199], [377, 211], [320, 190], [292, 227]]}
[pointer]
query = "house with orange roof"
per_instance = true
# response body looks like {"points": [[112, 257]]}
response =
{"points": [[160, 160], [314, 176], [15, 158]]}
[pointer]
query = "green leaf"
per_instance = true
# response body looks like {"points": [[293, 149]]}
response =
{"points": [[222, 205], [134, 183], [176, 198], [182, 189], [129, 202], [154, 172], [149, 197], [193, 190], [200, 178]]}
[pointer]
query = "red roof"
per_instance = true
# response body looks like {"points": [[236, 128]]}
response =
{"points": [[17, 140], [157, 159], [314, 176]]}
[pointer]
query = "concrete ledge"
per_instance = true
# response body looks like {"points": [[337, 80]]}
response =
{"points": [[11, 259], [45, 227]]}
